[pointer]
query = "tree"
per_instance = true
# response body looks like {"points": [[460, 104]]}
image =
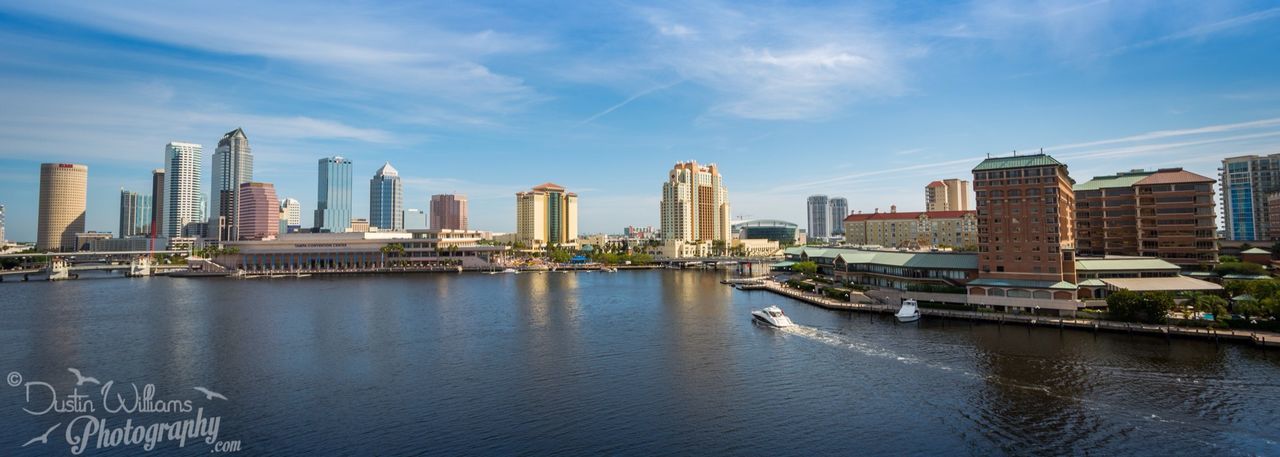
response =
{"points": [[1240, 268], [806, 268], [1228, 259], [641, 259], [1146, 307]]}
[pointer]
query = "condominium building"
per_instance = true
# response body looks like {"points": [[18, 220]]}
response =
{"points": [[183, 201], [448, 212], [155, 227], [333, 195], [1167, 213], [955, 229], [232, 166], [1026, 228], [1246, 182], [839, 209], [135, 214], [386, 200], [62, 205], [947, 195], [290, 215], [819, 213], [546, 215], [695, 204], [259, 215]]}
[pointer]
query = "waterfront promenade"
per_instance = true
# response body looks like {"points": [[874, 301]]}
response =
{"points": [[1260, 338]]}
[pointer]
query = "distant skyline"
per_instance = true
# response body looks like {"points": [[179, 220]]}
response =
{"points": [[859, 99]]}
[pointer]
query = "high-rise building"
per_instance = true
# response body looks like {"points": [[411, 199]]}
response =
{"points": [[290, 215], [955, 229], [1246, 182], [546, 215], [62, 203], [695, 204], [183, 202], [333, 195], [448, 211], [232, 166], [259, 215], [2, 238], [1026, 228], [155, 226], [839, 209], [819, 212], [135, 214], [386, 200], [1167, 213], [415, 219], [947, 195]]}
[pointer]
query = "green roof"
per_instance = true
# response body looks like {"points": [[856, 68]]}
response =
{"points": [[1029, 284], [1092, 283], [1256, 251], [1000, 163], [787, 264], [1123, 264], [931, 260], [1113, 181]]}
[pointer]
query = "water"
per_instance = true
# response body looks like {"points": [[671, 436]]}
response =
{"points": [[632, 363]]}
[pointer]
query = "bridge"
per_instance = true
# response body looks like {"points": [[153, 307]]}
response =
{"points": [[65, 265]]}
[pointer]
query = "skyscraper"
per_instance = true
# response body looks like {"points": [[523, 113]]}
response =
{"points": [[135, 214], [290, 215], [259, 216], [386, 199], [62, 203], [818, 214], [155, 227], [947, 195], [2, 238], [333, 195], [839, 210], [448, 211], [183, 201], [546, 215], [695, 204], [232, 165], [1246, 181]]}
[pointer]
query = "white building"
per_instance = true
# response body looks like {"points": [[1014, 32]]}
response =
{"points": [[695, 205], [182, 199], [290, 215], [819, 212]]}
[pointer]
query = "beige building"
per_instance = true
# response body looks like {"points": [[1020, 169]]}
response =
{"points": [[546, 215], [695, 204], [359, 225], [62, 203], [947, 195], [956, 229]]}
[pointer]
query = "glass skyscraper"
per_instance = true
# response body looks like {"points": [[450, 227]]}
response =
{"points": [[135, 214], [232, 166], [333, 195], [386, 200]]}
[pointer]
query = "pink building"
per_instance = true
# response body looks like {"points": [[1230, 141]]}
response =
{"points": [[259, 211], [448, 211]]}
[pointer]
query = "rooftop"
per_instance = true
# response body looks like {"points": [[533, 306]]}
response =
{"points": [[1001, 163], [1169, 284], [1024, 283], [1087, 265], [906, 215], [387, 170]]}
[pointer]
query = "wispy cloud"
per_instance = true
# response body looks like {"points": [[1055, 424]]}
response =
{"points": [[630, 99]]}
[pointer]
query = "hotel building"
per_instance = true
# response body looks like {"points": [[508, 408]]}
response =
{"points": [[546, 215], [947, 195], [695, 204], [956, 229], [259, 216], [62, 206], [1167, 213]]}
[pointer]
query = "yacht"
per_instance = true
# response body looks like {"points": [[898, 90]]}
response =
{"points": [[772, 316], [909, 312], [511, 270]]}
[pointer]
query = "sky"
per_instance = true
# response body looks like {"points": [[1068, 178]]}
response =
{"points": [[866, 100]]}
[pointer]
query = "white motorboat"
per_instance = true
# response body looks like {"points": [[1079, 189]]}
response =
{"points": [[511, 270], [772, 316], [909, 312]]}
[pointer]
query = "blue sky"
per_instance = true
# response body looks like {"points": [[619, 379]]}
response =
{"points": [[865, 100]]}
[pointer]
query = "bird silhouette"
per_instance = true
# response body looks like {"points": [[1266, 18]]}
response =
{"points": [[209, 394], [80, 380], [43, 439]]}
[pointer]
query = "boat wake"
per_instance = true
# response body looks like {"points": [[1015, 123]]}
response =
{"points": [[837, 340]]}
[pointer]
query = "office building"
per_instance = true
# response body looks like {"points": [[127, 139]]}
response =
{"points": [[386, 200], [135, 214], [819, 213], [1026, 228], [333, 195], [259, 215], [947, 195], [415, 219], [290, 215], [232, 166], [916, 230], [62, 206], [695, 205], [359, 225], [546, 215], [839, 209], [183, 200], [1167, 213], [448, 211], [1246, 182], [155, 227]]}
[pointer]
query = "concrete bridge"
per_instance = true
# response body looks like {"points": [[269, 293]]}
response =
{"points": [[66, 265]]}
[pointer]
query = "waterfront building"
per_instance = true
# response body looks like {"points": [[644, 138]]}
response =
{"points": [[355, 252], [695, 205], [819, 226], [1026, 228], [783, 232], [386, 200], [183, 200], [545, 215], [448, 211], [259, 216], [232, 166], [947, 195], [955, 229], [83, 239], [155, 226], [839, 209], [135, 214], [415, 219], [359, 225], [333, 195], [62, 206], [1167, 213], [1246, 182], [290, 215]]}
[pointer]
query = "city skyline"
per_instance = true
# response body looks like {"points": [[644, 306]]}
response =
{"points": [[898, 97]]}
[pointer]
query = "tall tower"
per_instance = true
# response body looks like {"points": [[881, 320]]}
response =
{"points": [[155, 227], [448, 211], [386, 199], [62, 204], [232, 166], [333, 195], [182, 202], [839, 210], [546, 215], [259, 216], [2, 239], [1246, 181], [135, 214], [818, 213], [695, 204]]}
